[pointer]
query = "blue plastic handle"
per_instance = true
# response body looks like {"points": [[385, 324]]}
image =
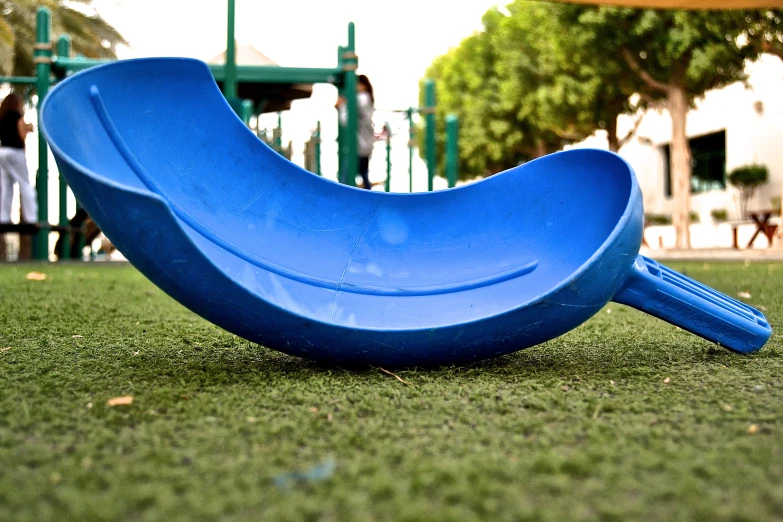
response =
{"points": [[681, 301]]}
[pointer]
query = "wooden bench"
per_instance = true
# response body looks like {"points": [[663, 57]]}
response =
{"points": [[761, 219], [26, 232]]}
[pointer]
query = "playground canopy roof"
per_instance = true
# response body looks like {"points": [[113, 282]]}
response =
{"points": [[686, 4], [266, 97]]}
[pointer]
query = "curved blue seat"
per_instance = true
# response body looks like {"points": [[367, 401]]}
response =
{"points": [[313, 268]]}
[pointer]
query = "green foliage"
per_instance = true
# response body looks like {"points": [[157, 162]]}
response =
{"points": [[749, 176], [515, 89], [91, 35], [624, 418], [542, 75], [747, 179], [657, 219], [693, 50], [694, 216], [764, 30], [719, 215]]}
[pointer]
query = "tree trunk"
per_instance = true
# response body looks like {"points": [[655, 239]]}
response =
{"points": [[768, 48], [680, 165], [540, 148], [611, 130]]}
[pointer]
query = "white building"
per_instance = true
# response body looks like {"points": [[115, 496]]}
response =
{"points": [[729, 127]]}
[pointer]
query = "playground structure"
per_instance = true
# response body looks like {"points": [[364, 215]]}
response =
{"points": [[313, 145], [325, 271], [53, 66]]}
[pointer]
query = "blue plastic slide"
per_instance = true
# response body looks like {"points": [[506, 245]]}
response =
{"points": [[301, 264]]}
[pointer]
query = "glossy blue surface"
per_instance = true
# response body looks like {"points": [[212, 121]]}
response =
{"points": [[298, 263]]}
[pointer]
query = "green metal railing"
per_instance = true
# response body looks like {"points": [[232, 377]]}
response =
{"points": [[452, 149], [42, 57], [429, 131], [387, 184], [51, 68], [230, 73]]}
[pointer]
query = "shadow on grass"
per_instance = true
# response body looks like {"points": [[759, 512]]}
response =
{"points": [[558, 359]]}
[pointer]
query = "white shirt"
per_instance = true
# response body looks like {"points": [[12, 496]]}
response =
{"points": [[364, 129]]}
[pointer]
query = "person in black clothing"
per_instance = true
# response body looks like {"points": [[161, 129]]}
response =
{"points": [[13, 164]]}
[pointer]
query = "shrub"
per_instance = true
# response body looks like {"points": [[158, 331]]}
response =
{"points": [[694, 216], [658, 219], [719, 215], [747, 179]]}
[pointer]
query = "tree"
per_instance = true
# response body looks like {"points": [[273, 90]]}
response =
{"points": [[465, 85], [607, 86], [91, 35], [678, 56], [528, 84], [498, 82], [765, 31]]}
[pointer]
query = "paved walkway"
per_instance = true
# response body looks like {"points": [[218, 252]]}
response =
{"points": [[715, 254]]}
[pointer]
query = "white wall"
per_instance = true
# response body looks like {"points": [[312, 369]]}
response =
{"points": [[750, 138]]}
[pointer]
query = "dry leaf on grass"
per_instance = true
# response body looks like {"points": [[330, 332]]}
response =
{"points": [[77, 336], [744, 295], [396, 377], [120, 401], [5, 349], [667, 380], [753, 429], [36, 276]]}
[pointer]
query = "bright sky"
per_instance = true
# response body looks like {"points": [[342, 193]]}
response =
{"points": [[395, 40]]}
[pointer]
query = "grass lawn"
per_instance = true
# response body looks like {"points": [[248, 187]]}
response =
{"points": [[624, 418]]}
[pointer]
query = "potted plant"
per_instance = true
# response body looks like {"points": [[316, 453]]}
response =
{"points": [[719, 215], [748, 179]]}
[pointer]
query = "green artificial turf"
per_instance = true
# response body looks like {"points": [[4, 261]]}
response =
{"points": [[585, 427]]}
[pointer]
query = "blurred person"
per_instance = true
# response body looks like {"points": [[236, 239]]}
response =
{"points": [[13, 164], [364, 129]]}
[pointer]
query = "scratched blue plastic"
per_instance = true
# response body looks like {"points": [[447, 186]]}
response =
{"points": [[309, 267]]}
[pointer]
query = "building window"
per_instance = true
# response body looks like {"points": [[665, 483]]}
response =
{"points": [[709, 163]]}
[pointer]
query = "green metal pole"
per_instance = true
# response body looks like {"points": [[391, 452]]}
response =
{"points": [[42, 57], [411, 144], [247, 111], [452, 149], [64, 50], [429, 122], [340, 131], [387, 185], [19, 80], [230, 82], [64, 46], [318, 148], [278, 146], [351, 142]]}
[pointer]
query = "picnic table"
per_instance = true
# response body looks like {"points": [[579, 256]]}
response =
{"points": [[761, 219]]}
